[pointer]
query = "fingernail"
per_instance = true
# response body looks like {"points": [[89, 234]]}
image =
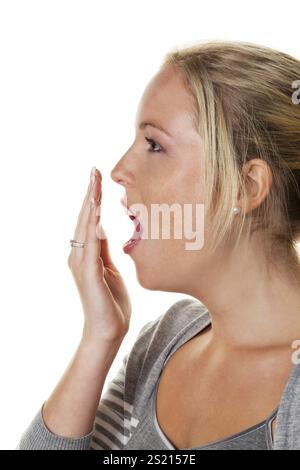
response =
{"points": [[92, 176]]}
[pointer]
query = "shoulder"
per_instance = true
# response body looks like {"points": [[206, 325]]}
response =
{"points": [[176, 317], [153, 343], [155, 336]]}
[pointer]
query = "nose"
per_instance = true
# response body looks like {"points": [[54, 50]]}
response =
{"points": [[120, 174]]}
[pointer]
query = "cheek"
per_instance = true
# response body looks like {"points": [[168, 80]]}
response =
{"points": [[157, 258], [187, 186]]}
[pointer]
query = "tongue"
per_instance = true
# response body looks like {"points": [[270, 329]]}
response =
{"points": [[136, 235]]}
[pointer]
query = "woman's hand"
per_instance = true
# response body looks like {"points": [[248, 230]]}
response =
{"points": [[104, 296]]}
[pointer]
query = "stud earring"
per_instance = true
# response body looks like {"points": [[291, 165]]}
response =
{"points": [[236, 210]]}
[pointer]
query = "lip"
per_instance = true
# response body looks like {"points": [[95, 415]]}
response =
{"points": [[128, 246], [127, 209]]}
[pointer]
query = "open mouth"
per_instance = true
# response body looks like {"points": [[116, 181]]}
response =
{"points": [[136, 236]]}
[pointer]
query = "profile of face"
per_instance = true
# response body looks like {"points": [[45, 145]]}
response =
{"points": [[165, 167]]}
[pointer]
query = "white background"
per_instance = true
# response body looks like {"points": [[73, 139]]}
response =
{"points": [[71, 76]]}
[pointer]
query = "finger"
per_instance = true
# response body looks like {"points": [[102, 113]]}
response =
{"points": [[94, 191], [91, 254], [104, 250], [84, 212], [91, 247]]}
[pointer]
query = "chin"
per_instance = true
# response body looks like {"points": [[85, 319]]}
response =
{"points": [[152, 264], [154, 279], [148, 279]]}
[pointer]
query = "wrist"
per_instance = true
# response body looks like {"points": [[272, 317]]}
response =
{"points": [[95, 341], [96, 353], [89, 337]]}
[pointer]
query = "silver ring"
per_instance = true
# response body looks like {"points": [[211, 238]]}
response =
{"points": [[76, 244]]}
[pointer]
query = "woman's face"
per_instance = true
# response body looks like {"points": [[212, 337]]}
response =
{"points": [[165, 171]]}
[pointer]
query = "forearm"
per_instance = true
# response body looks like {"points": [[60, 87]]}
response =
{"points": [[71, 408]]}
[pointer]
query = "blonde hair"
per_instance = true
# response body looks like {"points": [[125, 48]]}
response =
{"points": [[244, 110]]}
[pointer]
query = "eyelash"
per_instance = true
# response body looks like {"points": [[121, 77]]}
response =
{"points": [[151, 141]]}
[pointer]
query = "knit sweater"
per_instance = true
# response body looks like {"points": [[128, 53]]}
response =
{"points": [[123, 404]]}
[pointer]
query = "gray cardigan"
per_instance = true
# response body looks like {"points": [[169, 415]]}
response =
{"points": [[127, 396]]}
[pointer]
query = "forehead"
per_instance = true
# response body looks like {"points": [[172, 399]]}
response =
{"points": [[167, 101]]}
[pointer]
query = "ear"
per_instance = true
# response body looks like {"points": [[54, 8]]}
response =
{"points": [[258, 179]]}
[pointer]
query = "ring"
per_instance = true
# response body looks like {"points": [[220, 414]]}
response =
{"points": [[76, 244]]}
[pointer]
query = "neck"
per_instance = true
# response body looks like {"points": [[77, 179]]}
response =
{"points": [[251, 306]]}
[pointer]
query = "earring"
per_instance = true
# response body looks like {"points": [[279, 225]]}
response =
{"points": [[236, 210]]}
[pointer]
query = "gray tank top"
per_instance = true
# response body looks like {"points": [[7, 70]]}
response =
{"points": [[150, 436], [257, 437]]}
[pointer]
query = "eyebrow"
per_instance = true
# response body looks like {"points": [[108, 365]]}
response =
{"points": [[143, 124]]}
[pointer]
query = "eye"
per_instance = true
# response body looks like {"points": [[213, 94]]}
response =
{"points": [[151, 142]]}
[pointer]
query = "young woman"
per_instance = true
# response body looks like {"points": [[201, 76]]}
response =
{"points": [[217, 127]]}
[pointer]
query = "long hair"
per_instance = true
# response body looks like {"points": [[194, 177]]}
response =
{"points": [[244, 110]]}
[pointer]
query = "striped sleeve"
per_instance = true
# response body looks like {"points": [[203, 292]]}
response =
{"points": [[37, 436], [111, 427], [112, 422]]}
